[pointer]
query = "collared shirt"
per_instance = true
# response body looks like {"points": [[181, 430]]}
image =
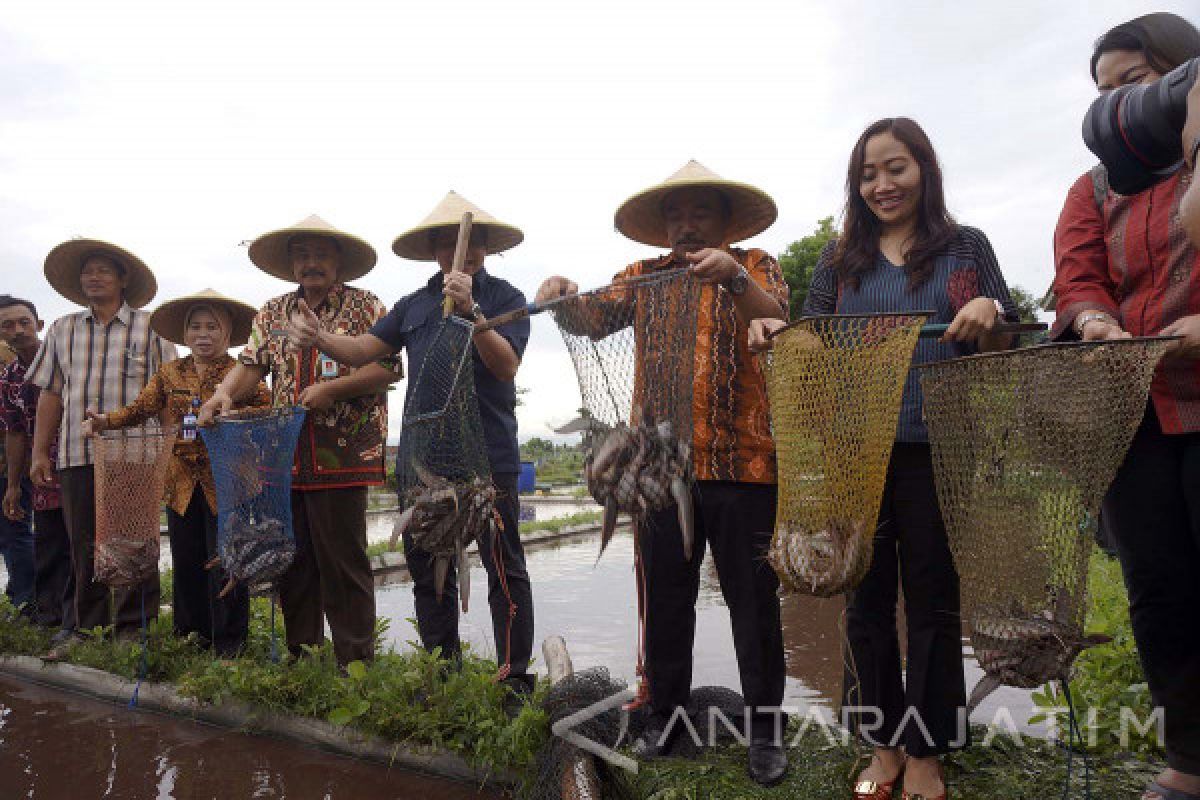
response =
{"points": [[7, 356], [18, 414], [413, 323], [731, 434], [342, 446], [1132, 259], [168, 396], [965, 270], [96, 366]]}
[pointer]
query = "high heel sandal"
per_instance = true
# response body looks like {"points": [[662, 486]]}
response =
{"points": [[873, 790]]}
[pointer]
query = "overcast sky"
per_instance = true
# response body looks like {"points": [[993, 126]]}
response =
{"points": [[181, 130]]}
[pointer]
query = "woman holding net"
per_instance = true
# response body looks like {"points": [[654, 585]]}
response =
{"points": [[900, 251], [1122, 268], [208, 324]]}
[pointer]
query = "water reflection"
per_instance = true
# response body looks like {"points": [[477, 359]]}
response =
{"points": [[56, 745]]}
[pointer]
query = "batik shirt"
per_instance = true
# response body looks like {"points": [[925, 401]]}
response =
{"points": [[343, 446], [168, 396], [18, 414]]}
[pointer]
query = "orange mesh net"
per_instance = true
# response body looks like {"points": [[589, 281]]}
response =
{"points": [[130, 470]]}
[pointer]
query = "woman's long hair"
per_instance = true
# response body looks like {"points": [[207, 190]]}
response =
{"points": [[1165, 39], [857, 250]]}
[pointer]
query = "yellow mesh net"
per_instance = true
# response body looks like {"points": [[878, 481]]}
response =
{"points": [[835, 385], [1025, 443], [130, 470]]}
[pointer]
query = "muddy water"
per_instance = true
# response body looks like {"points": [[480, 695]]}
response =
{"points": [[594, 607], [380, 522], [56, 745]]}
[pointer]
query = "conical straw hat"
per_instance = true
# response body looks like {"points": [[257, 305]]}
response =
{"points": [[269, 252], [65, 261], [640, 217], [416, 244], [170, 319]]}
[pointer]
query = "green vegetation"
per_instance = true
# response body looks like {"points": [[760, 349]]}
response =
{"points": [[798, 261], [557, 464], [578, 518]]}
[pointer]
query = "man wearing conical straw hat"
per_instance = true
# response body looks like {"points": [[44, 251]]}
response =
{"points": [[698, 215], [98, 358], [340, 452], [208, 323], [412, 325]]}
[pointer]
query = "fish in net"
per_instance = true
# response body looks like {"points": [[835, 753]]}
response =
{"points": [[1025, 443], [130, 471], [251, 455], [633, 346], [443, 479], [835, 385]]}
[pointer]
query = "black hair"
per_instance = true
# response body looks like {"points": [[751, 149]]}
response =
{"points": [[1165, 39], [8, 301]]}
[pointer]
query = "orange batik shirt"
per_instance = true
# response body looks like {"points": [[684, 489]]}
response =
{"points": [[731, 438]]}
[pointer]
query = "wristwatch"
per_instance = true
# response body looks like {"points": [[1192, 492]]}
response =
{"points": [[476, 313], [1091, 316], [739, 283]]}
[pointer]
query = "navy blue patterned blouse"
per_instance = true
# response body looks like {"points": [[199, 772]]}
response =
{"points": [[966, 270]]}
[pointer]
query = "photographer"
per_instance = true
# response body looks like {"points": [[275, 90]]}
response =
{"points": [[1122, 269]]}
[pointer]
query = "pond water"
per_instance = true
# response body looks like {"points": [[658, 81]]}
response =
{"points": [[56, 745], [379, 523], [593, 606]]}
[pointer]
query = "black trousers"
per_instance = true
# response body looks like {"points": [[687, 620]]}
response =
{"points": [[331, 576], [54, 581], [902, 706], [92, 606], [504, 555], [195, 602], [736, 520], [1155, 501]]}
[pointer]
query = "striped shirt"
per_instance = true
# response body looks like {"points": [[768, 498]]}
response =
{"points": [[94, 366], [966, 269]]}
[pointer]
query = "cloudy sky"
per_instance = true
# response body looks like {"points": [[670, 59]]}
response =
{"points": [[181, 130]]}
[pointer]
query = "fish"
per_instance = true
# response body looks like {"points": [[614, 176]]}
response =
{"points": [[464, 578], [441, 568], [401, 526], [609, 526], [821, 563], [683, 505]]}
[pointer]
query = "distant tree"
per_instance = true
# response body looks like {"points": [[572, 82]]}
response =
{"points": [[798, 261], [1027, 304]]}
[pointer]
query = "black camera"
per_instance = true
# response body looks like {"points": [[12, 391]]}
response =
{"points": [[1134, 130]]}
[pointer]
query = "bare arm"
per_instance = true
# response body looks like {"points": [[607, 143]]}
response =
{"points": [[497, 355], [238, 384], [355, 351], [14, 452]]}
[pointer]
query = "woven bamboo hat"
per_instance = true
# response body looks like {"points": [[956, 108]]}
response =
{"points": [[417, 245], [170, 319], [65, 261], [269, 252], [751, 209]]}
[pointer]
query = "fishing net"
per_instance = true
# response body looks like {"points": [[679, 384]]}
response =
{"points": [[562, 770], [633, 344], [130, 468], [251, 454], [1025, 443], [443, 479], [835, 385]]}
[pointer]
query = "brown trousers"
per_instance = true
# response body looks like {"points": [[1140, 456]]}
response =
{"points": [[331, 574], [92, 607]]}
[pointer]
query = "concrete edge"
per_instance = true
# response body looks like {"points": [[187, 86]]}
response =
{"points": [[243, 717]]}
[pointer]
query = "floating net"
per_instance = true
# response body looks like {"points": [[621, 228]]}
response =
{"points": [[130, 470], [1025, 443], [835, 384], [251, 453], [443, 479]]}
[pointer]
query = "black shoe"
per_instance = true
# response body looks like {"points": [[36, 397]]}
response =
{"points": [[518, 689], [655, 741], [767, 763]]}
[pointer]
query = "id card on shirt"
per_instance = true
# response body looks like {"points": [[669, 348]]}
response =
{"points": [[327, 367]]}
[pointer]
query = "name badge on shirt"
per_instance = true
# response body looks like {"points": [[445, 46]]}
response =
{"points": [[327, 366]]}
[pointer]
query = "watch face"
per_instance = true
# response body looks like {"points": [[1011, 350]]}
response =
{"points": [[739, 282]]}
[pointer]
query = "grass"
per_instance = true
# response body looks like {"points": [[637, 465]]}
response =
{"points": [[578, 518]]}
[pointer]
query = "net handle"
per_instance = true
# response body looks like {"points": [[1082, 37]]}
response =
{"points": [[932, 329], [531, 309], [460, 255], [880, 315]]}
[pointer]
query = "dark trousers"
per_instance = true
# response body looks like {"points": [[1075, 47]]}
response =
{"points": [[504, 555], [16, 545], [736, 520], [54, 584], [911, 540], [1155, 501], [331, 575], [195, 602], [92, 607]]}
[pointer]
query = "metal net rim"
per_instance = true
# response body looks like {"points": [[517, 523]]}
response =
{"points": [[245, 416], [864, 315], [1041, 348]]}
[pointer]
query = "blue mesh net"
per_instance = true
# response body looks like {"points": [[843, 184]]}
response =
{"points": [[251, 455]]}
